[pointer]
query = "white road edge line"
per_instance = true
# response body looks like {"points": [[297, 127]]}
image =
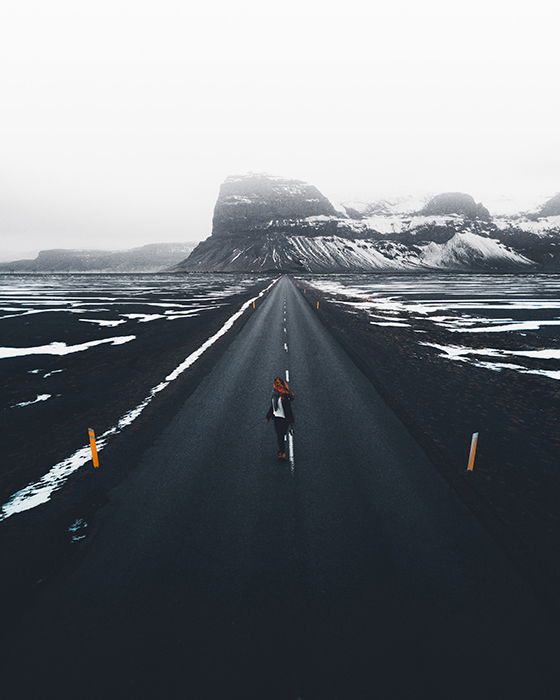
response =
{"points": [[38, 492], [291, 439], [291, 452]]}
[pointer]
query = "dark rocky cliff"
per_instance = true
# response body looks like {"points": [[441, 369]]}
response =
{"points": [[263, 202]]}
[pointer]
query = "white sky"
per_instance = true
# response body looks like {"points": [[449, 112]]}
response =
{"points": [[120, 118]]}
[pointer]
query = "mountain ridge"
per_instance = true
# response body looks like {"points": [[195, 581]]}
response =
{"points": [[152, 257], [261, 229]]}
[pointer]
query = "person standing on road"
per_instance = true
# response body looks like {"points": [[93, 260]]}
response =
{"points": [[281, 412]]}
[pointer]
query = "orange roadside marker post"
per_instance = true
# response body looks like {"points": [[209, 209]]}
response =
{"points": [[93, 445], [317, 305], [472, 454], [254, 305]]}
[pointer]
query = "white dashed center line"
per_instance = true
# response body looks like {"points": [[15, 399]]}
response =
{"points": [[291, 453], [290, 436], [291, 440]]}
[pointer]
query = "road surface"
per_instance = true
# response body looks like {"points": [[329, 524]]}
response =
{"points": [[351, 571]]}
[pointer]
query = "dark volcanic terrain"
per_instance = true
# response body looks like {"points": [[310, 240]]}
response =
{"points": [[448, 374], [194, 563], [83, 351]]}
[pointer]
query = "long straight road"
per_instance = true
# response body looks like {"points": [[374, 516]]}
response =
{"points": [[351, 571]]}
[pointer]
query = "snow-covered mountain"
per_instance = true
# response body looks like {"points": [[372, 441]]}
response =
{"points": [[263, 222], [342, 254]]}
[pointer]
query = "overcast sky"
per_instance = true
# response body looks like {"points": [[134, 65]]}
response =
{"points": [[119, 119]]}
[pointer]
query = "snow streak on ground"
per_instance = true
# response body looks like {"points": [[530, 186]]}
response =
{"points": [[40, 492], [112, 300], [68, 316], [520, 312], [40, 397], [62, 348]]}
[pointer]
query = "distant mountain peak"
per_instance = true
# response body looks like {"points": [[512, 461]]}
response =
{"points": [[551, 207], [455, 203]]}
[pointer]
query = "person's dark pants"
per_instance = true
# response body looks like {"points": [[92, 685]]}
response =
{"points": [[281, 426]]}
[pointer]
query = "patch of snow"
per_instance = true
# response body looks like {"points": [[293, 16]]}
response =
{"points": [[29, 312], [539, 226], [335, 252], [40, 397], [551, 374], [99, 322], [143, 318], [339, 208], [49, 374], [233, 199], [39, 492], [464, 354], [505, 328], [57, 348], [466, 249], [397, 223]]}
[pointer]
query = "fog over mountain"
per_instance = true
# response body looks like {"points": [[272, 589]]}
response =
{"points": [[263, 222], [121, 119]]}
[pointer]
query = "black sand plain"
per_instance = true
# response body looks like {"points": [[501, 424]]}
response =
{"points": [[334, 627], [515, 487], [213, 570]]}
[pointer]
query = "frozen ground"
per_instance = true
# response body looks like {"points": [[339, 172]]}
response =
{"points": [[498, 322], [60, 315], [80, 351], [457, 354]]}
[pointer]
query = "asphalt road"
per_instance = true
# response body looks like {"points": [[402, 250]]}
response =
{"points": [[351, 571]]}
